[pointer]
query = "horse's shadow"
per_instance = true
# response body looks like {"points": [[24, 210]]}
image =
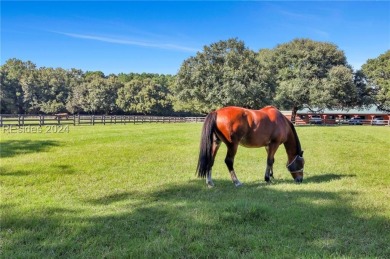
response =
{"points": [[328, 177], [323, 178]]}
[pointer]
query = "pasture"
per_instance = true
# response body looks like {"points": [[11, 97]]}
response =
{"points": [[131, 191]]}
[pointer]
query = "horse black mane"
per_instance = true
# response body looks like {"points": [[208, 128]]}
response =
{"points": [[299, 149]]}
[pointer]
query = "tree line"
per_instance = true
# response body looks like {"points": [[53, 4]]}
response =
{"points": [[299, 74], [27, 89]]}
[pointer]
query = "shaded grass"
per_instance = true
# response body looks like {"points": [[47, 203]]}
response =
{"points": [[131, 191], [18, 147]]}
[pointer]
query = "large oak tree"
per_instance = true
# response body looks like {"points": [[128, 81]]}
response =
{"points": [[377, 74], [310, 74], [224, 73]]}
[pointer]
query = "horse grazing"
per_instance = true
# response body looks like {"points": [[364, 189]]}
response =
{"points": [[266, 127]]}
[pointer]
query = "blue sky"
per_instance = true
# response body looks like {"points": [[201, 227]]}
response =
{"points": [[156, 37]]}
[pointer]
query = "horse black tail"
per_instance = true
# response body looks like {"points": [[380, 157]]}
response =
{"points": [[205, 161]]}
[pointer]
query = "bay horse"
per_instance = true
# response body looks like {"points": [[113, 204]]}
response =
{"points": [[234, 126]]}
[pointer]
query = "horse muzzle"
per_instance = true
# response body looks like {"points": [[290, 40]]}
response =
{"points": [[298, 179], [298, 176]]}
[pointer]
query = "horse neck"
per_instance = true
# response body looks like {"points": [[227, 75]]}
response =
{"points": [[292, 145]]}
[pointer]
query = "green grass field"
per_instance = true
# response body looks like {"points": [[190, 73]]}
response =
{"points": [[130, 191]]}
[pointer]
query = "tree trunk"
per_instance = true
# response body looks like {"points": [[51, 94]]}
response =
{"points": [[294, 114]]}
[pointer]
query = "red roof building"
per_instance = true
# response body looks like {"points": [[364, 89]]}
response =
{"points": [[331, 117]]}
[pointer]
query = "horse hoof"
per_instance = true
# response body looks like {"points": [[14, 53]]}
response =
{"points": [[210, 184], [238, 184]]}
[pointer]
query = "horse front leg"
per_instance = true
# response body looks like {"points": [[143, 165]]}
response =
{"points": [[271, 150], [269, 170], [229, 161]]}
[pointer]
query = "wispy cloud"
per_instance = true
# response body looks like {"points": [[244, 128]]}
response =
{"points": [[296, 15], [320, 33], [305, 21], [146, 44]]}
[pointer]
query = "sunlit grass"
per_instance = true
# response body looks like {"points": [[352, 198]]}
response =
{"points": [[131, 191]]}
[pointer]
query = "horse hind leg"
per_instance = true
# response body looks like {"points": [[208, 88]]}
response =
{"points": [[209, 181], [229, 161], [214, 150]]}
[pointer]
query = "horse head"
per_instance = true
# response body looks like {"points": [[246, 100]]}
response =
{"points": [[296, 167]]}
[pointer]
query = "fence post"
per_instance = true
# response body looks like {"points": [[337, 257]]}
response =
{"points": [[1, 121], [93, 119], [20, 120]]}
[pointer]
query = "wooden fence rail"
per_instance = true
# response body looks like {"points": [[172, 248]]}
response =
{"points": [[41, 120]]}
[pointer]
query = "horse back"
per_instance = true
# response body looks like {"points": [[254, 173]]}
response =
{"points": [[277, 122], [251, 128]]}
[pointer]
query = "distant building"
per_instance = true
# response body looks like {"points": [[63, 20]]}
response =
{"points": [[353, 116]]}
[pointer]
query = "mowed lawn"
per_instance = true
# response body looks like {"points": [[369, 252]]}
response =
{"points": [[130, 191]]}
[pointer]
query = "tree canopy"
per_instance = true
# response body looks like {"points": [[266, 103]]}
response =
{"points": [[28, 89], [300, 73], [377, 74], [224, 73], [145, 96], [310, 74]]}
